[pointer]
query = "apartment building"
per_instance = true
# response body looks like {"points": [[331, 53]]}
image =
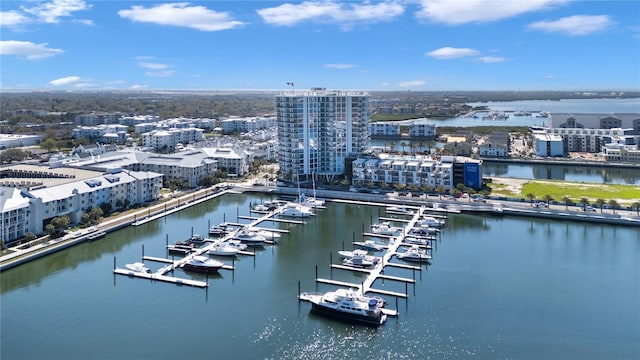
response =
{"points": [[318, 130], [383, 128], [621, 153], [14, 214], [109, 134], [420, 129], [97, 118], [167, 140], [417, 171]]}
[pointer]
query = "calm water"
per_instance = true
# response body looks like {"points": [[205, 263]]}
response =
{"points": [[576, 106], [593, 174], [498, 288]]}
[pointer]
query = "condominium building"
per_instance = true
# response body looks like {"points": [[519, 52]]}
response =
{"points": [[420, 172], [14, 214], [166, 140], [383, 128], [318, 130], [420, 129], [549, 145]]}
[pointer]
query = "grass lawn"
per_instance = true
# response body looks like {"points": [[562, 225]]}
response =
{"points": [[576, 191]]}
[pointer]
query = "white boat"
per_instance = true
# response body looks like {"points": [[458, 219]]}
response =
{"points": [[237, 244], [219, 230], [267, 234], [370, 245], [261, 208], [427, 222], [384, 228], [357, 262], [359, 253], [138, 267], [249, 237], [311, 201], [414, 253], [400, 210], [346, 305], [202, 264], [417, 241], [296, 210], [221, 248]]}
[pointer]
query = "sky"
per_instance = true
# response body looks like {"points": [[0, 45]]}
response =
{"points": [[411, 45]]}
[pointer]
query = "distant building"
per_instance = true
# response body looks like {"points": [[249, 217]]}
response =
{"points": [[549, 145], [621, 153], [457, 148], [167, 140], [423, 130], [384, 128], [496, 145], [8, 141], [97, 118]]}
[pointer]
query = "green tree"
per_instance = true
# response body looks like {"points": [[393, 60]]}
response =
{"points": [[530, 196], [441, 190], [106, 207], [10, 155], [48, 144], [614, 204], [566, 200], [548, 199], [599, 203], [50, 229], [584, 201], [636, 205], [29, 236]]}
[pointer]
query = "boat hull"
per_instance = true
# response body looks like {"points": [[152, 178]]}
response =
{"points": [[373, 320]]}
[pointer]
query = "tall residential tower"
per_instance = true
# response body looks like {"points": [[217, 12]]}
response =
{"points": [[318, 130]]}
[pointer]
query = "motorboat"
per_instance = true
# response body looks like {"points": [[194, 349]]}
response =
{"points": [[357, 262], [221, 248], [249, 237], [370, 245], [399, 210], [414, 253], [384, 228], [202, 264], [297, 210], [237, 244], [260, 208], [418, 241], [138, 267], [219, 230], [359, 253], [429, 221], [424, 230], [267, 234], [347, 305]]}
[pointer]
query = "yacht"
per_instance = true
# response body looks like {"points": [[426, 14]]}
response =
{"points": [[358, 258], [219, 230], [370, 245], [138, 267], [267, 234], [347, 305], [384, 228], [221, 248], [415, 253], [399, 210], [427, 222], [202, 264], [237, 244], [249, 237], [297, 210], [262, 208]]}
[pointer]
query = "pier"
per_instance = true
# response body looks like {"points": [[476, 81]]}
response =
{"points": [[377, 271], [172, 265]]}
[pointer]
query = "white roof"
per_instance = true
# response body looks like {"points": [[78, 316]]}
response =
{"points": [[11, 199]]}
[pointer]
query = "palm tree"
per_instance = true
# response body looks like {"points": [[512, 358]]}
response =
{"points": [[636, 205], [548, 198], [599, 203], [441, 190], [530, 196], [614, 205], [392, 147], [385, 147], [412, 147], [420, 146], [404, 145], [566, 201], [584, 201]]}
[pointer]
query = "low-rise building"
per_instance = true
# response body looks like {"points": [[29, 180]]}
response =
{"points": [[621, 153], [549, 145], [421, 129], [382, 128], [8, 141]]}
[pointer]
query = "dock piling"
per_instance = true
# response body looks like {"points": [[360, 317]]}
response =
{"points": [[114, 263]]}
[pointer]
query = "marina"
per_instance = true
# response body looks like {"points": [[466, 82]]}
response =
{"points": [[517, 267]]}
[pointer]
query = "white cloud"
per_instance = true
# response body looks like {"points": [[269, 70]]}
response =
{"points": [[331, 12], [412, 83], [138, 86], [50, 12], [84, 22], [492, 59], [153, 66], [339, 66], [182, 14], [163, 73], [574, 25], [67, 80], [456, 12], [12, 18], [451, 53], [27, 49]]}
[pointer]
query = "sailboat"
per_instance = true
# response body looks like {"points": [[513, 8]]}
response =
{"points": [[312, 201]]}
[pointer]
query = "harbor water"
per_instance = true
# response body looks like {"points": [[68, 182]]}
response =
{"points": [[498, 287]]}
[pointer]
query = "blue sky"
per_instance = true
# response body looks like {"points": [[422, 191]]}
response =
{"points": [[351, 45]]}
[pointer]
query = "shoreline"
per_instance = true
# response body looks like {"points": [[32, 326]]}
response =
{"points": [[21, 255]]}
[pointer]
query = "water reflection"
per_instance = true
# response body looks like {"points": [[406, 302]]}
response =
{"points": [[590, 173]]}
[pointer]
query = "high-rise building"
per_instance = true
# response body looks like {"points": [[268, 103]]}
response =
{"points": [[318, 130]]}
